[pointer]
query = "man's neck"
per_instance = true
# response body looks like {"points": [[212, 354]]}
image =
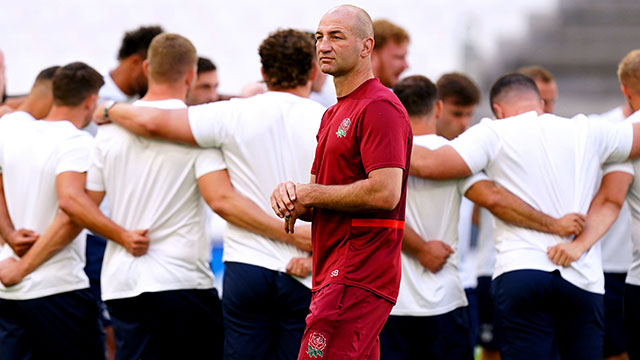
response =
{"points": [[37, 103], [421, 125], [346, 84], [75, 115], [302, 90], [164, 92], [122, 79]]}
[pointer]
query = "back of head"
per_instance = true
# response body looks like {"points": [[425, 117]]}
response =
{"points": [[458, 88], [73, 83], [629, 71], [171, 58], [46, 74], [512, 89], [287, 57], [537, 73], [418, 95], [137, 41], [205, 65], [385, 31]]}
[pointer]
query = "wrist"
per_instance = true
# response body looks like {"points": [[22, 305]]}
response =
{"points": [[108, 106], [304, 194]]}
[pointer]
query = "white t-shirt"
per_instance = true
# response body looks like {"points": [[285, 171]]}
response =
{"points": [[633, 199], [32, 154], [466, 253], [432, 211], [153, 185], [266, 139], [616, 243], [553, 164], [485, 251]]}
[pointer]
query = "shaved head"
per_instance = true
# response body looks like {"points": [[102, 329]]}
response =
{"points": [[360, 21]]}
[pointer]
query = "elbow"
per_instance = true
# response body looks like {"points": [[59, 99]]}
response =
{"points": [[220, 204], [388, 200], [67, 203]]}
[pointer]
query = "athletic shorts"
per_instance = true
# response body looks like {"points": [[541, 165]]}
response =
{"points": [[177, 324], [439, 337], [61, 326], [632, 319], [615, 338], [543, 316], [488, 332], [94, 256], [344, 323]]}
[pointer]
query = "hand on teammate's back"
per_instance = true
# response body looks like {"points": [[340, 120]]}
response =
{"points": [[10, 272], [136, 242], [300, 266], [301, 239], [21, 241], [566, 253], [434, 255], [570, 224]]}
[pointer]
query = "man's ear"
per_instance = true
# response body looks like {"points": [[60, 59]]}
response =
{"points": [[498, 111]]}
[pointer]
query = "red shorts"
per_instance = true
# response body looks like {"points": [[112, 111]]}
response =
{"points": [[344, 323]]}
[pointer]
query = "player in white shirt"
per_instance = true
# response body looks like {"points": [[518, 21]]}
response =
{"points": [[629, 76], [265, 139], [544, 282], [46, 309], [431, 295], [616, 260]]}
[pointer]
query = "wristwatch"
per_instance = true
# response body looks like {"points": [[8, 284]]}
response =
{"points": [[108, 105]]}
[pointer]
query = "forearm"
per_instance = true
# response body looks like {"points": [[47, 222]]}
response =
{"points": [[55, 238], [172, 125], [135, 119], [508, 207], [242, 212], [412, 243], [6, 226], [599, 219], [441, 164], [84, 212], [381, 190]]}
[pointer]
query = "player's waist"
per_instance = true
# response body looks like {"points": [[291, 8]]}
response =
{"points": [[384, 223]]}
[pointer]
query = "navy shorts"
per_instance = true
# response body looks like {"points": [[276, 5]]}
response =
{"points": [[61, 326], [264, 313], [472, 309], [177, 324], [489, 333], [444, 337], [543, 316], [615, 338], [632, 319], [95, 254]]}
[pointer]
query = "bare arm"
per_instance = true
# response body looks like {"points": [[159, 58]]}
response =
{"points": [[83, 209], [442, 163], [57, 236], [603, 212], [19, 240], [171, 125], [635, 146], [235, 208], [510, 208], [381, 190]]}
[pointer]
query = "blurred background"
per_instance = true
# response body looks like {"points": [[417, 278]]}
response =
{"points": [[580, 41]]}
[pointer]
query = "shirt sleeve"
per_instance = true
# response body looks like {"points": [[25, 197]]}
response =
{"points": [[477, 146], [211, 124], [466, 183], [74, 154], [626, 167], [95, 174], [384, 134], [613, 140], [209, 160]]}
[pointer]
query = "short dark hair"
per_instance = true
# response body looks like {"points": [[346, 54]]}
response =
{"points": [[137, 41], [510, 82], [417, 93], [458, 87], [73, 83], [47, 74], [205, 65], [287, 58]]}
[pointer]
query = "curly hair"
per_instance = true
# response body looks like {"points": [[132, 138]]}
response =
{"points": [[137, 41], [287, 58]]}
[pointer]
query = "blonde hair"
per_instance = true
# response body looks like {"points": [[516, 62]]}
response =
{"points": [[629, 71], [171, 57], [385, 31]]}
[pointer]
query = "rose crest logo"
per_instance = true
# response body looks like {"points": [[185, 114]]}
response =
{"points": [[344, 126], [317, 343]]}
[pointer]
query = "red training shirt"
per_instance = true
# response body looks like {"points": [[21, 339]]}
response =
{"points": [[366, 130]]}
